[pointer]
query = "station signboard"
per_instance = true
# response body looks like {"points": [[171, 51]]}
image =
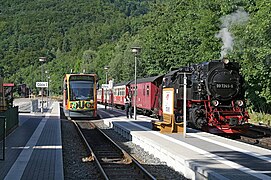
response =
{"points": [[42, 84], [105, 86], [168, 101]]}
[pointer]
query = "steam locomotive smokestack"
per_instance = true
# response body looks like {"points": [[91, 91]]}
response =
{"points": [[238, 17]]}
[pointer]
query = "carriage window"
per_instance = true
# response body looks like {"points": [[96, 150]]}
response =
{"points": [[133, 90], [148, 90], [144, 90]]}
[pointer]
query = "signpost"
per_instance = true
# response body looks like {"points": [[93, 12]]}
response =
{"points": [[42, 85]]}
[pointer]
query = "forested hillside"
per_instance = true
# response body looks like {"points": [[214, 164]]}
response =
{"points": [[89, 35]]}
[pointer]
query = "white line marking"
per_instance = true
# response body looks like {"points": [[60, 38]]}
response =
{"points": [[17, 170], [210, 155], [26, 147], [256, 155], [47, 147], [38, 147]]}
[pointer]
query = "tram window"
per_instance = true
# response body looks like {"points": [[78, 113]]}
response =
{"points": [[81, 90]]}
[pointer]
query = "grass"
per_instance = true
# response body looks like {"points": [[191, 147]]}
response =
{"points": [[260, 117]]}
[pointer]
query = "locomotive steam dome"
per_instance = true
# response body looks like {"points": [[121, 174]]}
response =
{"points": [[223, 84]]}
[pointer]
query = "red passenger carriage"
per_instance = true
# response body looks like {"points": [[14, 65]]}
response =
{"points": [[148, 99], [100, 96], [120, 91]]}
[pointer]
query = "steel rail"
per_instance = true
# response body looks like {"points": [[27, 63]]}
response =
{"points": [[126, 159], [90, 150]]}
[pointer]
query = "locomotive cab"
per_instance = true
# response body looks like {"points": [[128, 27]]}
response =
{"points": [[175, 80]]}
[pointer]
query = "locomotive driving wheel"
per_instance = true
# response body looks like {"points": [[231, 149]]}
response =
{"points": [[198, 118], [201, 122]]}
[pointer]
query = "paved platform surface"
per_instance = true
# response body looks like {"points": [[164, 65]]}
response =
{"points": [[199, 155], [24, 104], [34, 149]]}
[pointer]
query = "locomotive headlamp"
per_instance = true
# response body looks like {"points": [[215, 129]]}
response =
{"points": [[215, 102], [240, 103], [226, 61]]}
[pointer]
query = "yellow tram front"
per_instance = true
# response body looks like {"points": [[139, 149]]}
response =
{"points": [[80, 95]]}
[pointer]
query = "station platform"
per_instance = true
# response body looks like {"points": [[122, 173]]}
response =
{"points": [[198, 155], [34, 148]]}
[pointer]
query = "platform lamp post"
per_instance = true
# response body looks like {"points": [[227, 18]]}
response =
{"points": [[106, 72], [136, 51], [42, 60], [184, 104], [48, 91]]}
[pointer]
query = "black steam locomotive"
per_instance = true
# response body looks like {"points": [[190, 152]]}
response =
{"points": [[215, 95]]}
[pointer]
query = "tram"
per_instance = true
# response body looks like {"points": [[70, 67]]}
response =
{"points": [[80, 96]]}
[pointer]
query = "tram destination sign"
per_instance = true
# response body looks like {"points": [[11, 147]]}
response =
{"points": [[81, 78], [42, 84]]}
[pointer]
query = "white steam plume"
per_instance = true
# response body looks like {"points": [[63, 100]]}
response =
{"points": [[238, 17]]}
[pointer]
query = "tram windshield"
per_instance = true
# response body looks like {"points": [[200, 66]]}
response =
{"points": [[81, 90]]}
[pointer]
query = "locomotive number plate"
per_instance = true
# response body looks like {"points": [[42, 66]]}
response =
{"points": [[224, 86]]}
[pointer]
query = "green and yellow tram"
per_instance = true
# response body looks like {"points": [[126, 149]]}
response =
{"points": [[80, 96]]}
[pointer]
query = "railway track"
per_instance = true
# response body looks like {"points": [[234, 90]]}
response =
{"points": [[112, 161], [257, 135]]}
